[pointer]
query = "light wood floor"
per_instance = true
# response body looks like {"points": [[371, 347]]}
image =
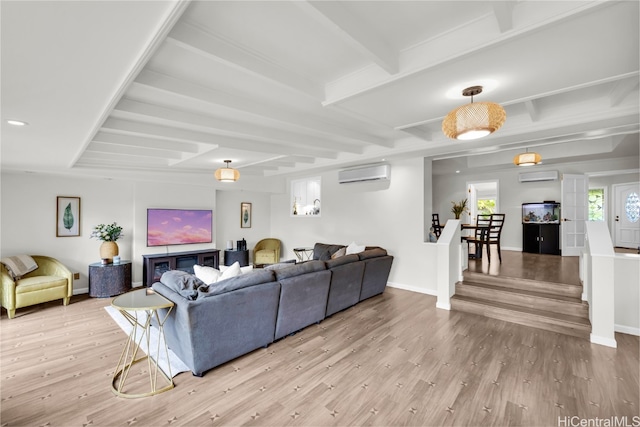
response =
{"points": [[392, 360]]}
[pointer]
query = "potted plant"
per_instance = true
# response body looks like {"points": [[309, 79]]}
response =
{"points": [[459, 207], [108, 234]]}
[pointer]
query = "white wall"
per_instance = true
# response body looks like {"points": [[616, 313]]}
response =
{"points": [[228, 218], [389, 214], [28, 223], [452, 187], [29, 215]]}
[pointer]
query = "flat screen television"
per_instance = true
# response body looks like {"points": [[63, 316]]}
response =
{"points": [[179, 226]]}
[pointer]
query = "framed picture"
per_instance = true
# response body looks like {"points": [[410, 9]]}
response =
{"points": [[245, 215], [68, 216]]}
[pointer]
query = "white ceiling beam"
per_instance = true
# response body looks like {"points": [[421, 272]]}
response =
{"points": [[281, 117], [471, 37], [532, 109], [231, 53], [503, 11], [100, 147], [170, 133], [217, 126], [150, 143], [622, 89], [336, 18]]}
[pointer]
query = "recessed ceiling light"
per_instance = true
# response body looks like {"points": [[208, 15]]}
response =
{"points": [[17, 122], [457, 171]]}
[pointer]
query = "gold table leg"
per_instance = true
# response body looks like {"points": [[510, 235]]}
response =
{"points": [[130, 351]]}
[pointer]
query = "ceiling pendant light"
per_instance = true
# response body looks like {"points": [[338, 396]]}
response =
{"points": [[227, 174], [527, 159], [474, 120]]}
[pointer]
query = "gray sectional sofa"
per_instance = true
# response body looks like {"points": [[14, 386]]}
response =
{"points": [[213, 324]]}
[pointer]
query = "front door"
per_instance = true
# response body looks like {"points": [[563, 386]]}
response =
{"points": [[627, 215], [573, 207]]}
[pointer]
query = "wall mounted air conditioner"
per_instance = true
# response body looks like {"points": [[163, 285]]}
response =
{"points": [[367, 173], [538, 176]]}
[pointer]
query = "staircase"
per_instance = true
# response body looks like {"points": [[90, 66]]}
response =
{"points": [[555, 307]]}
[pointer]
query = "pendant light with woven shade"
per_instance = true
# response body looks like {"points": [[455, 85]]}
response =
{"points": [[527, 159], [474, 120], [227, 174]]}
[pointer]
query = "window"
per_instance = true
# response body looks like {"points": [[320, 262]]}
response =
{"points": [[596, 204], [305, 197]]}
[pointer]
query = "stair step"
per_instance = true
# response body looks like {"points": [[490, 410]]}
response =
{"points": [[524, 298], [550, 321], [554, 288]]}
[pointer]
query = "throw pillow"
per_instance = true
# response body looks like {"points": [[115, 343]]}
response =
{"points": [[339, 253], [232, 271], [207, 274], [243, 270], [354, 248]]}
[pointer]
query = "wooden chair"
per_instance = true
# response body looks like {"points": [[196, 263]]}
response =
{"points": [[479, 232], [491, 236], [435, 223]]}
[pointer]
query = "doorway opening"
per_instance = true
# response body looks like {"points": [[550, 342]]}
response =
{"points": [[482, 199]]}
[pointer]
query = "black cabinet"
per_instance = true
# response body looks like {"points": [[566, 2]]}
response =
{"points": [[541, 238], [232, 256], [154, 265]]}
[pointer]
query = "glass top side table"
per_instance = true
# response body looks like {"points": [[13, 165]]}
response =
{"points": [[139, 308], [303, 254]]}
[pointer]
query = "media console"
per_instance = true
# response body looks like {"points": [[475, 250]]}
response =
{"points": [[153, 265]]}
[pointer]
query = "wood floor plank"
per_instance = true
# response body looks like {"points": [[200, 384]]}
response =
{"points": [[389, 361]]}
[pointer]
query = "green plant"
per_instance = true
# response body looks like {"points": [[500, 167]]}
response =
{"points": [[458, 208], [107, 233]]}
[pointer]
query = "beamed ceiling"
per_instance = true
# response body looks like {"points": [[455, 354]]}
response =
{"points": [[286, 88]]}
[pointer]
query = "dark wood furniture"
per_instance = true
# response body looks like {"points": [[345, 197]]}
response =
{"points": [[109, 280], [153, 265], [479, 234], [231, 256], [541, 228], [435, 223], [489, 235], [541, 238]]}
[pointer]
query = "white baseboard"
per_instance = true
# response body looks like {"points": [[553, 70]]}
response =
{"points": [[603, 341], [79, 291], [626, 330], [413, 289], [443, 306]]}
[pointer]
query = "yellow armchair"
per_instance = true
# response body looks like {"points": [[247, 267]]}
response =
{"points": [[50, 281], [266, 251]]}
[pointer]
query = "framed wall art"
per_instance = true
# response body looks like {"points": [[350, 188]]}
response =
{"points": [[245, 215], [68, 216]]}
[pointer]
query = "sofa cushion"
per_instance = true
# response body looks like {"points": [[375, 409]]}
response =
{"points": [[37, 283], [298, 269], [323, 251], [253, 278], [243, 270], [372, 253], [19, 265], [342, 260], [182, 282], [232, 271]]}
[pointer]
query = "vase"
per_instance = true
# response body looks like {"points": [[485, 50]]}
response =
{"points": [[108, 250]]}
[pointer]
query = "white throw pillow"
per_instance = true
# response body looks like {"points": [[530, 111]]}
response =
{"points": [[243, 270], [208, 275], [354, 248], [232, 271]]}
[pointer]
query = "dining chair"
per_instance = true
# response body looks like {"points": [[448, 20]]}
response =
{"points": [[435, 223], [478, 236], [492, 235]]}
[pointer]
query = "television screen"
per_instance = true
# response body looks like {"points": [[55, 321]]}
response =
{"points": [[178, 226]]}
